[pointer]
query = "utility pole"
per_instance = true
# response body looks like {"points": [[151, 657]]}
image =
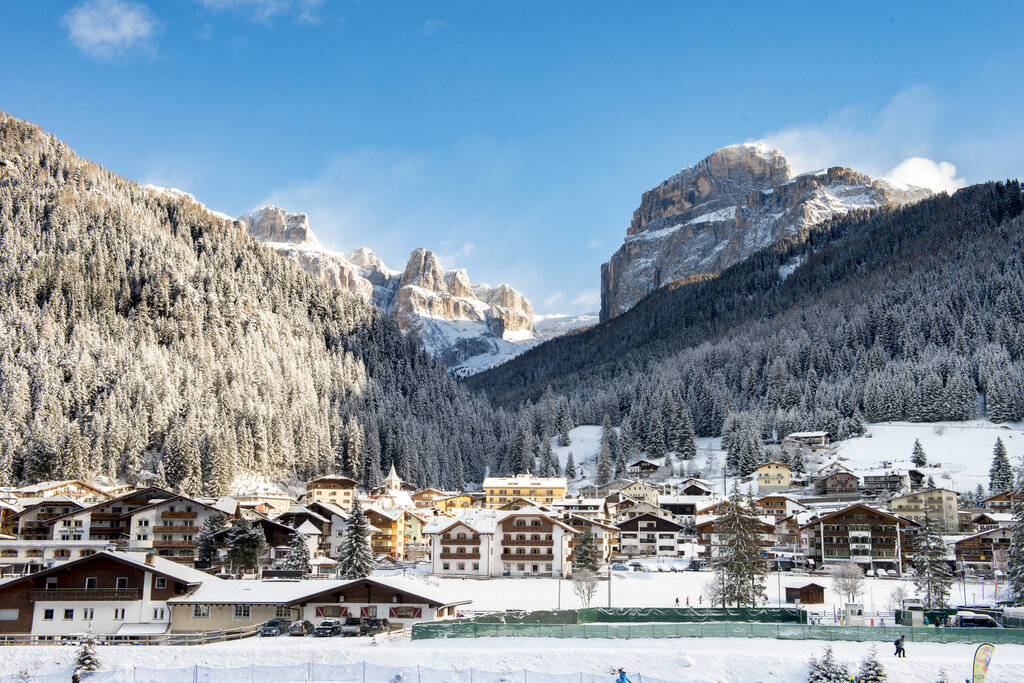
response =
{"points": [[609, 583]]}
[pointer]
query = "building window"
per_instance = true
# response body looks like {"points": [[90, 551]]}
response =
{"points": [[243, 611], [444, 566], [90, 583], [69, 614], [461, 566], [158, 614], [119, 614], [476, 566], [161, 582], [48, 615], [283, 612], [521, 567], [200, 611], [87, 613], [122, 582]]}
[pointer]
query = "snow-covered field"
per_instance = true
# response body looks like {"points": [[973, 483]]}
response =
{"points": [[708, 660]]}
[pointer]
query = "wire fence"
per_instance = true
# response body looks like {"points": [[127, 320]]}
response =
{"points": [[312, 672], [436, 630]]}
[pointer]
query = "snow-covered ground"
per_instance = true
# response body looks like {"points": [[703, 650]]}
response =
{"points": [[959, 453], [694, 660]]}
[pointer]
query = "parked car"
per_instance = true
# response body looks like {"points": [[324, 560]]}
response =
{"points": [[274, 627], [617, 567], [300, 627], [378, 626], [973, 620], [636, 566], [327, 627], [355, 626]]}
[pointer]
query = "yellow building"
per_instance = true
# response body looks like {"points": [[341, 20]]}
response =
{"points": [[389, 537], [774, 476], [332, 489], [942, 505], [544, 490], [460, 501]]}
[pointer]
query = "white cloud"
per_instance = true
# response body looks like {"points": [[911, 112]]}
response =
{"points": [[595, 244], [454, 258], [939, 177], [265, 10], [554, 299], [897, 137], [108, 28], [588, 299], [432, 26]]}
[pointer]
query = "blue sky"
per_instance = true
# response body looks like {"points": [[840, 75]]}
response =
{"points": [[515, 138]]}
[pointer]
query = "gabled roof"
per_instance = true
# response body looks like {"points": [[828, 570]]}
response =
{"points": [[56, 500], [308, 529], [44, 485], [302, 510], [335, 478], [332, 508], [160, 567], [918, 493], [112, 501], [650, 515], [214, 504], [888, 515], [588, 521], [774, 462]]}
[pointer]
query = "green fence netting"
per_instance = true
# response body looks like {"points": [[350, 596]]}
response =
{"points": [[763, 615], [784, 631]]}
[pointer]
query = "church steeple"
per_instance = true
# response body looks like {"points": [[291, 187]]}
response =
{"points": [[393, 482]]}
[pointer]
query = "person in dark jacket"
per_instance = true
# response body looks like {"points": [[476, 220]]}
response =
{"points": [[900, 652]]}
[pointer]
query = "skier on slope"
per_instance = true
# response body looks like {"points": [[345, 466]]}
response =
{"points": [[622, 677]]}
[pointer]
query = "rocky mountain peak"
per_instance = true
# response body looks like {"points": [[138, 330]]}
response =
{"points": [[274, 224], [724, 208], [424, 270]]}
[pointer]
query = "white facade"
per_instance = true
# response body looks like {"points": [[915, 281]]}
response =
{"points": [[26, 557], [102, 617]]}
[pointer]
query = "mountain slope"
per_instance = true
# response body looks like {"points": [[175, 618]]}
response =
{"points": [[898, 313], [144, 336], [465, 326], [721, 210]]}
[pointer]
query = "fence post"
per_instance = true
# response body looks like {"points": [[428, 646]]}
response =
{"points": [[364, 671], [195, 673], [419, 677], [252, 674]]}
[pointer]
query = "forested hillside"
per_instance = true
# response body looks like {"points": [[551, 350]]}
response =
{"points": [[913, 313], [139, 333]]}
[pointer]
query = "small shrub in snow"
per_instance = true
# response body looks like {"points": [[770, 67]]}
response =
{"points": [[828, 670], [871, 670]]}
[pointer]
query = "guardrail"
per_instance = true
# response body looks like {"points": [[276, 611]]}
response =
{"points": [[161, 639]]}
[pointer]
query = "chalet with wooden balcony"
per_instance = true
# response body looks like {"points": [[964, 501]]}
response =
{"points": [[981, 554], [107, 521], [75, 489], [169, 526], [485, 543], [332, 489], [859, 533], [649, 535], [106, 593], [30, 524]]}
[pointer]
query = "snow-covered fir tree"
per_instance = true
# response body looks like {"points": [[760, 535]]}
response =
{"points": [[932, 576], [246, 546], [356, 558], [564, 423], [570, 467], [871, 669], [917, 456], [737, 560], [1015, 553], [298, 554], [605, 466], [86, 659], [586, 554], [205, 541], [1000, 474], [827, 669]]}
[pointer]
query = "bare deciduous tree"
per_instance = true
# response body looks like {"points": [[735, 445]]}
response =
{"points": [[896, 597], [584, 585], [848, 580]]}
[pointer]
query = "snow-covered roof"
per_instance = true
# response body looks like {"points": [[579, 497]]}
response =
{"points": [[806, 435], [308, 529], [285, 591], [480, 520], [526, 480], [302, 510], [683, 500]]}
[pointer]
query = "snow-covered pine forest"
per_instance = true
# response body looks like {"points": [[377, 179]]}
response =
{"points": [[143, 336], [910, 314]]}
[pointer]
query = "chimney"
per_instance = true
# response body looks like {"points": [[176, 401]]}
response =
{"points": [[149, 559]]}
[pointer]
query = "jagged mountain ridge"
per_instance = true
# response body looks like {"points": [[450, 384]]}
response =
{"points": [[146, 338], [717, 212], [466, 326]]}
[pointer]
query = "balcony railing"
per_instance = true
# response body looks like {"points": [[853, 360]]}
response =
{"points": [[178, 515], [175, 530], [460, 556], [527, 558], [463, 541], [526, 542], [172, 544], [86, 594]]}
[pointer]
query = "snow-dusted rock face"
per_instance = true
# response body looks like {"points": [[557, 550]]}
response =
{"points": [[468, 327], [724, 208]]}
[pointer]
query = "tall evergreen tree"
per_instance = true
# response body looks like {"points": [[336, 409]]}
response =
{"points": [[570, 467], [1015, 553], [356, 558], [932, 576], [246, 546], [205, 542], [917, 456], [564, 423], [585, 553], [656, 446], [1000, 474], [298, 554], [737, 561], [605, 467]]}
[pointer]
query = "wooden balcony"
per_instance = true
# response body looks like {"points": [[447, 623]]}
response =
{"points": [[175, 530], [178, 515], [527, 542], [460, 556], [173, 544], [105, 516], [527, 558], [74, 594], [460, 541]]}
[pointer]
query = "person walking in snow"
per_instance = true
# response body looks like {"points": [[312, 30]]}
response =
{"points": [[687, 600], [677, 602], [622, 677], [900, 652]]}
